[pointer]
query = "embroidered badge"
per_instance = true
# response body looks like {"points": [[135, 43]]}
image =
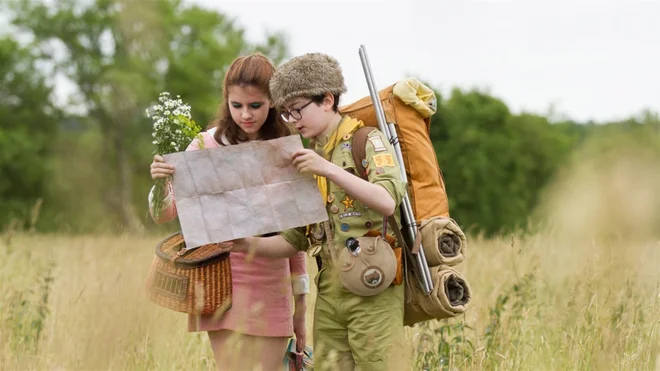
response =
{"points": [[349, 214], [384, 160], [345, 227], [331, 198], [334, 209], [372, 277], [377, 143], [380, 170], [318, 232], [346, 146], [368, 224], [365, 163], [348, 203]]}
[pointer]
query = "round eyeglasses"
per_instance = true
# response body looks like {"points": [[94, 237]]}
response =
{"points": [[295, 113]]}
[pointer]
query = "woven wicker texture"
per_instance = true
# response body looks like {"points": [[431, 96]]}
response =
{"points": [[194, 282]]}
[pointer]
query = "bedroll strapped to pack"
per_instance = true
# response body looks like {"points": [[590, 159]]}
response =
{"points": [[443, 248], [435, 242]]}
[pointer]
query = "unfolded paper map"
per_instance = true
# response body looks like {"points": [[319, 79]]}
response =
{"points": [[243, 190]]}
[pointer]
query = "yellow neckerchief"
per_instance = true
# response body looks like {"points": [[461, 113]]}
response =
{"points": [[346, 126]]}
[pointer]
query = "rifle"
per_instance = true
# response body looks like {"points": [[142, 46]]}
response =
{"points": [[408, 219]]}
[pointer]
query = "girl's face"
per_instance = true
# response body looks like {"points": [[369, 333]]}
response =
{"points": [[249, 108]]}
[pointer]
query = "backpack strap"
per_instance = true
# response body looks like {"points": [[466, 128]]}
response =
{"points": [[359, 152], [359, 149]]}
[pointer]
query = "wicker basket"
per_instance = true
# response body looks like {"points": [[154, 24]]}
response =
{"points": [[195, 282]]}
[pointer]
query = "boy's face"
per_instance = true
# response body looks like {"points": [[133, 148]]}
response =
{"points": [[308, 117]]}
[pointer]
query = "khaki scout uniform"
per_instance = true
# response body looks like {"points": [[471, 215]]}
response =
{"points": [[363, 332]]}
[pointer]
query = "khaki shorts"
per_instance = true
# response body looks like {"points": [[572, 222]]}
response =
{"points": [[356, 332]]}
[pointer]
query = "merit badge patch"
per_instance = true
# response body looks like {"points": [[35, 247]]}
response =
{"points": [[346, 146], [318, 232], [377, 143], [348, 203], [349, 214], [372, 277], [384, 160]]}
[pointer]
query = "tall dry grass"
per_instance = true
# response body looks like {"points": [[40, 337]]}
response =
{"points": [[580, 293]]}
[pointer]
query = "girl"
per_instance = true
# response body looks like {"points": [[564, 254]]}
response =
{"points": [[261, 317]]}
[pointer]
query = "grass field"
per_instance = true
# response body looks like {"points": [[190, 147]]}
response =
{"points": [[581, 293]]}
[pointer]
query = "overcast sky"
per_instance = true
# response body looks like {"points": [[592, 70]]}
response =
{"points": [[592, 59]]}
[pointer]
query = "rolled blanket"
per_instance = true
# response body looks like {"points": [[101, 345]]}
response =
{"points": [[443, 241], [450, 297], [417, 95]]}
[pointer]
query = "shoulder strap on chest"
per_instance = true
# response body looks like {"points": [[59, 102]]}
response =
{"points": [[358, 145]]}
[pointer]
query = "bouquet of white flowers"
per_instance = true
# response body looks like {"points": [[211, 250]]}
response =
{"points": [[173, 130]]}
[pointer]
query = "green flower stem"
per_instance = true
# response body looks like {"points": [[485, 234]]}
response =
{"points": [[158, 201]]}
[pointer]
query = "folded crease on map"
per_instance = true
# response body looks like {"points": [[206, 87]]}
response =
{"points": [[243, 190]]}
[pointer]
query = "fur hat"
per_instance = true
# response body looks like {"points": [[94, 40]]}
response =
{"points": [[306, 75]]}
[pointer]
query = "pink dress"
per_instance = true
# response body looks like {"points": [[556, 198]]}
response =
{"points": [[262, 288]]}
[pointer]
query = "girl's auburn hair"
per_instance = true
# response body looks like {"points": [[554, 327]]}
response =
{"points": [[252, 70]]}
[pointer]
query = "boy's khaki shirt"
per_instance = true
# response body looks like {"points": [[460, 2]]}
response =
{"points": [[349, 217]]}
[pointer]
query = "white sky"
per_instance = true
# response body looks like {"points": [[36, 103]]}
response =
{"points": [[593, 60], [597, 59]]}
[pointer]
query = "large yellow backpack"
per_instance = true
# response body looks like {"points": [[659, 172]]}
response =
{"points": [[409, 105], [412, 118]]}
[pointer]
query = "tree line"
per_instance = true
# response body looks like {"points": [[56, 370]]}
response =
{"points": [[88, 171]]}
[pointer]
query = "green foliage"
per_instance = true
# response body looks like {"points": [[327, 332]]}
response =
{"points": [[120, 54], [443, 346], [26, 296], [494, 163], [28, 123]]}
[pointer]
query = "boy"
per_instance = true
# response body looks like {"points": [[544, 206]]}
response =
{"points": [[362, 331]]}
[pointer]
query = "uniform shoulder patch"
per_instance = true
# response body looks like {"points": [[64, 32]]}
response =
{"points": [[377, 142], [383, 160]]}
